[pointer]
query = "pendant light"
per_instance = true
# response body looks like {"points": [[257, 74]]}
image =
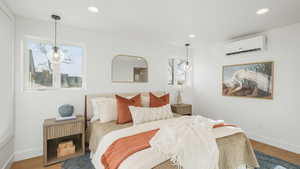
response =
{"points": [[188, 63], [55, 55]]}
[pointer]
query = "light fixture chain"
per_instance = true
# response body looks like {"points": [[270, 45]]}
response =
{"points": [[187, 52], [55, 33]]}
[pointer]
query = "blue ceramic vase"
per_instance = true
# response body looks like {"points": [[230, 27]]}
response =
{"points": [[66, 110]]}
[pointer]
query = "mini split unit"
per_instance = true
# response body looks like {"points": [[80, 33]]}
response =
{"points": [[246, 45]]}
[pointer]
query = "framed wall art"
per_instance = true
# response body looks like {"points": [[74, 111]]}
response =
{"points": [[253, 80]]}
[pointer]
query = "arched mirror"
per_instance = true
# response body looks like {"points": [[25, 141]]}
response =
{"points": [[129, 69]]}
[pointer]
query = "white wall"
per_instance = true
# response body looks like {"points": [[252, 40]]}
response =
{"points": [[33, 107], [274, 122], [6, 86]]}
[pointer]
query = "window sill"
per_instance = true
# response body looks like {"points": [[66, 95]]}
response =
{"points": [[54, 90]]}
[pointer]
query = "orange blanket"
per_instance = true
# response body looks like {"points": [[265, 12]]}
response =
{"points": [[223, 125], [122, 148]]}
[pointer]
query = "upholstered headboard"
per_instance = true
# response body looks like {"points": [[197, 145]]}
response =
{"points": [[88, 101]]}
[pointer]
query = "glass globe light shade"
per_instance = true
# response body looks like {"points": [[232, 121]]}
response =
{"points": [[187, 66], [56, 56]]}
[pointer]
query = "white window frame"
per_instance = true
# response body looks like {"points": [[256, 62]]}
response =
{"points": [[175, 78], [56, 79]]}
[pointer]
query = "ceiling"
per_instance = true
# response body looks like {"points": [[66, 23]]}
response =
{"points": [[166, 20]]}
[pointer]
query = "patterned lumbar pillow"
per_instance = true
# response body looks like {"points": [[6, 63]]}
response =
{"points": [[147, 114]]}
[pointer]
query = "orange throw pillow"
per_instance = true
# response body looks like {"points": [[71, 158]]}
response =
{"points": [[159, 101], [124, 115]]}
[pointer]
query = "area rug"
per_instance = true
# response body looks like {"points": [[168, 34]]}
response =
{"points": [[265, 162]]}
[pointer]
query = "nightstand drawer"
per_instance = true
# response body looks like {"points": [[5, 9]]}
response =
{"points": [[64, 130], [183, 109]]}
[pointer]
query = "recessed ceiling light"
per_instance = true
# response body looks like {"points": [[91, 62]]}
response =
{"points": [[93, 9], [262, 11], [192, 36]]}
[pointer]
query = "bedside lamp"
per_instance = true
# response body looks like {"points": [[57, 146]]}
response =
{"points": [[179, 96]]}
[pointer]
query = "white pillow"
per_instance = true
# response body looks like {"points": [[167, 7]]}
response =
{"points": [[104, 109], [95, 115], [147, 114]]}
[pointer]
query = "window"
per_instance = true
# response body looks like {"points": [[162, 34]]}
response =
{"points": [[40, 73], [171, 78], [177, 75]]}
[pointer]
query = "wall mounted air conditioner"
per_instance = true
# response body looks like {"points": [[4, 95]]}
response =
{"points": [[246, 45]]}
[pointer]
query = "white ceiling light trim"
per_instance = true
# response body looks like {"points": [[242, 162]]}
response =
{"points": [[192, 36], [262, 11], [93, 9]]}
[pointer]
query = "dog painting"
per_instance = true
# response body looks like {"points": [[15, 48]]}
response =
{"points": [[248, 80]]}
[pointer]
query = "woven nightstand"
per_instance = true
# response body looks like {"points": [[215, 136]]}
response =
{"points": [[56, 132], [183, 109]]}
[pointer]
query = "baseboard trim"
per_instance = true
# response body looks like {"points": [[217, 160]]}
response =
{"points": [[6, 140], [9, 162], [29, 153], [275, 143], [3, 144]]}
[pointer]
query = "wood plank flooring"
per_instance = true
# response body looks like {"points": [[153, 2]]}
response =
{"points": [[33, 163], [276, 152], [37, 163]]}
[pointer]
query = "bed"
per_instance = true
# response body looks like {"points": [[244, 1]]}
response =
{"points": [[235, 150]]}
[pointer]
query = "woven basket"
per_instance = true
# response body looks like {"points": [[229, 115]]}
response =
{"points": [[65, 149]]}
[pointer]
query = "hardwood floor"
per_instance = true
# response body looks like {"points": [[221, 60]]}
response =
{"points": [[37, 163], [276, 152], [33, 163]]}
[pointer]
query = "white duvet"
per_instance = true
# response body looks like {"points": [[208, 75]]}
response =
{"points": [[148, 158]]}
